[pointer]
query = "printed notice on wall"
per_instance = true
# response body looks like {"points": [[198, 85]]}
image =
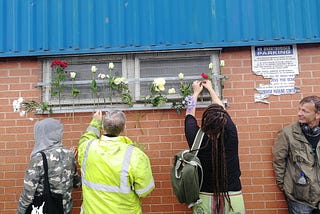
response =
{"points": [[280, 65]]}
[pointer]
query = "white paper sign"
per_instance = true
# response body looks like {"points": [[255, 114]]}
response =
{"points": [[278, 63]]}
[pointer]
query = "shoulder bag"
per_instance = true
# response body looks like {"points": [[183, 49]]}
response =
{"points": [[187, 173], [48, 202]]}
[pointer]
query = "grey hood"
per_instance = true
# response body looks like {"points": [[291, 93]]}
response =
{"points": [[47, 134]]}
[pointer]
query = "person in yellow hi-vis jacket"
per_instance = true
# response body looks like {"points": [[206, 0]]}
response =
{"points": [[115, 173]]}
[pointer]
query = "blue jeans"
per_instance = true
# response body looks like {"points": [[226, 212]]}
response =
{"points": [[298, 208]]}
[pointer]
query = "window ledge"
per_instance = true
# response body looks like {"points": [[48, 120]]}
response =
{"points": [[135, 107]]}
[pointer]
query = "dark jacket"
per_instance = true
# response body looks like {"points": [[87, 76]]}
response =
{"points": [[205, 154]]}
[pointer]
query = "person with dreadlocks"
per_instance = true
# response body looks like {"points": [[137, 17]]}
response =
{"points": [[221, 188]]}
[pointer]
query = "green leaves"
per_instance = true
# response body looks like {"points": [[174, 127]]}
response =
{"points": [[56, 83], [156, 97], [158, 100], [34, 106], [184, 91], [75, 92], [94, 88]]}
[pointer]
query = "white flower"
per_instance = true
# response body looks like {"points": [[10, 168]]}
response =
{"points": [[102, 76], [159, 84], [17, 104], [94, 69], [73, 75], [20, 100], [22, 113], [210, 66], [181, 76], [171, 91], [118, 80], [111, 66], [16, 108]]}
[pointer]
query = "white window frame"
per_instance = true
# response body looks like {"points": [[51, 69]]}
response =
{"points": [[130, 68]]}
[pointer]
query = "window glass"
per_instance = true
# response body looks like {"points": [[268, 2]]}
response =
{"points": [[154, 68]]}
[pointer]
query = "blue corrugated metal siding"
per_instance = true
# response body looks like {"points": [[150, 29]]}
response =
{"points": [[50, 27]]}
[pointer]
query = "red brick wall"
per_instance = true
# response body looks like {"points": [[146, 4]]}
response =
{"points": [[161, 131]]}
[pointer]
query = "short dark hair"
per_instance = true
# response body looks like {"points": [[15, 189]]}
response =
{"points": [[312, 99], [114, 122]]}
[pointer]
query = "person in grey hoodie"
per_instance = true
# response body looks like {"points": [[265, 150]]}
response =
{"points": [[62, 169]]}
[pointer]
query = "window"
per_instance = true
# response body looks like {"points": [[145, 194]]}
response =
{"points": [[138, 69]]}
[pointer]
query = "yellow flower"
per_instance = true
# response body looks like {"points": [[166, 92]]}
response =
{"points": [[159, 84], [118, 80], [161, 88], [156, 98]]}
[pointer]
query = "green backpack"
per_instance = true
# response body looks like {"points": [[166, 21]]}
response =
{"points": [[185, 174]]}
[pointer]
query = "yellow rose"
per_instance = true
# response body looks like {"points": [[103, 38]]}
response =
{"points": [[161, 87], [118, 80]]}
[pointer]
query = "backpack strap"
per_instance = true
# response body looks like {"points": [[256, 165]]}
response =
{"points": [[46, 190], [197, 142]]}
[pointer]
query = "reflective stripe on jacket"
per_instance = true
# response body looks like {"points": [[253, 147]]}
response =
{"points": [[292, 154], [115, 173]]}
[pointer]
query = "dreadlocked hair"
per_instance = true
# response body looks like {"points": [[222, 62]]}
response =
{"points": [[213, 122]]}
